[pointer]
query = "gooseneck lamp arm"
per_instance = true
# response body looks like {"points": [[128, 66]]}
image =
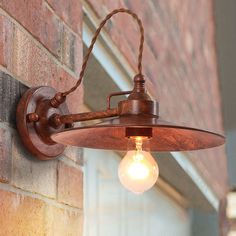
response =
{"points": [[60, 97], [56, 120]]}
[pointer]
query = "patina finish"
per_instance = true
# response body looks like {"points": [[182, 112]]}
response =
{"points": [[45, 124]]}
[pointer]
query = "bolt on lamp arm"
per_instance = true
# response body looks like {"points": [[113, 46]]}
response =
{"points": [[56, 120], [61, 96]]}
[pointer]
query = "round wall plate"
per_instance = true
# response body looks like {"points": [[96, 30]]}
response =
{"points": [[36, 136]]}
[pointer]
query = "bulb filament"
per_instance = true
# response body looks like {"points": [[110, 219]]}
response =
{"points": [[138, 170]]}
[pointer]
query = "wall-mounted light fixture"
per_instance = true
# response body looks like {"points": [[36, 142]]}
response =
{"points": [[46, 126]]}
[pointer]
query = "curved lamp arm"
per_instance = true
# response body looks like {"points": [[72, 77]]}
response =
{"points": [[61, 96]]}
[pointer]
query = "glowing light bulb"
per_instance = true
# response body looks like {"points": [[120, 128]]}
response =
{"points": [[138, 171]]}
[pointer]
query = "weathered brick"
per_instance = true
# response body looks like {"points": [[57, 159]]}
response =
{"points": [[37, 19], [10, 93], [39, 71], [70, 185], [50, 34], [31, 174], [62, 222], [6, 40], [21, 215], [45, 26], [43, 70], [5, 155], [75, 154], [70, 11], [71, 49], [50, 53]]}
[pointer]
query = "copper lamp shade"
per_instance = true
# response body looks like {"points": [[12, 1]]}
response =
{"points": [[45, 124], [111, 135]]}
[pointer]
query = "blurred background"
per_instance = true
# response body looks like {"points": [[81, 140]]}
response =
{"points": [[188, 62]]}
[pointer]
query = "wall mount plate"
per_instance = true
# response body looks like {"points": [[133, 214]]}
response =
{"points": [[36, 135]]}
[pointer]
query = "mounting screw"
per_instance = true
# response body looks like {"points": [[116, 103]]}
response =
{"points": [[32, 117]]}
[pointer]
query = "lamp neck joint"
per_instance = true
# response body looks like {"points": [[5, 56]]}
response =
{"points": [[139, 90]]}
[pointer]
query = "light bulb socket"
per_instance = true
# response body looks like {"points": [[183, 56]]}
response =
{"points": [[141, 132]]}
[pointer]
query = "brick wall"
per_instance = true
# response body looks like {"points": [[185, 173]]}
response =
{"points": [[180, 67], [40, 44]]}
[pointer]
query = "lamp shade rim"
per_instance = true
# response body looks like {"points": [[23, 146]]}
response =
{"points": [[166, 136]]}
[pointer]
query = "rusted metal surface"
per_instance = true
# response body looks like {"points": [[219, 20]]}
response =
{"points": [[32, 117], [48, 125], [57, 100], [111, 135], [43, 119], [115, 94], [33, 112], [136, 107], [64, 119]]}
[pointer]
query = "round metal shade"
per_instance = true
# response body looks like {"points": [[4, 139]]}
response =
{"points": [[111, 135]]}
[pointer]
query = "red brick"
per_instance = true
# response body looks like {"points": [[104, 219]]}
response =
{"points": [[75, 154], [71, 50], [39, 71], [70, 11], [36, 18], [44, 47], [47, 27], [62, 222], [21, 215], [5, 155], [70, 185], [31, 175], [50, 31], [6, 40], [43, 69]]}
